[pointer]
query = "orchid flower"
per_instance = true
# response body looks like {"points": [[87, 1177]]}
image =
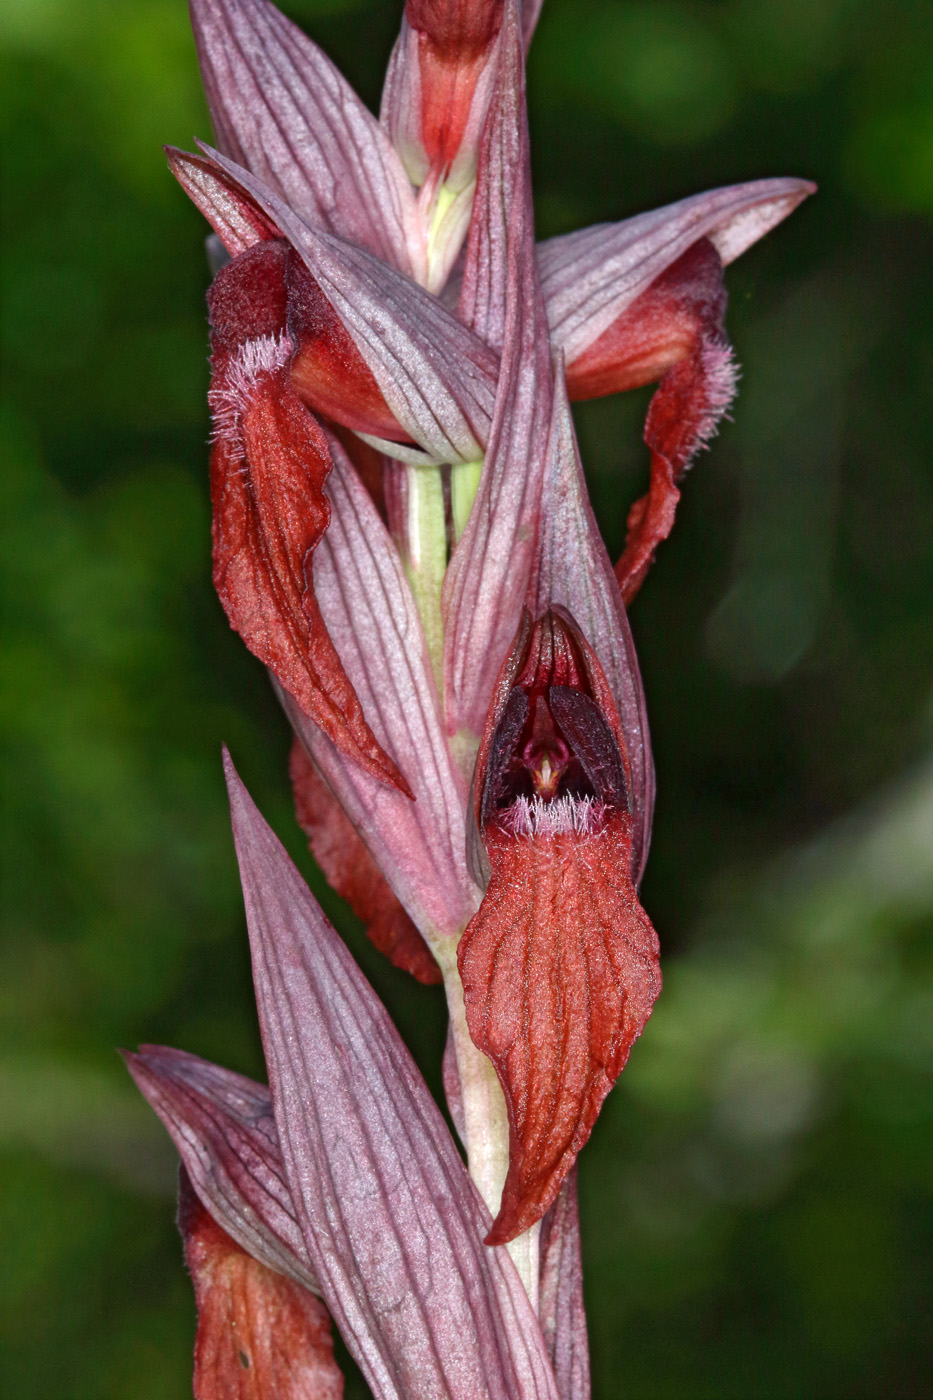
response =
{"points": [[402, 535]]}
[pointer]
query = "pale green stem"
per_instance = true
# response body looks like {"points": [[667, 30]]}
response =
{"points": [[445, 198], [486, 1127], [426, 550], [464, 484]]}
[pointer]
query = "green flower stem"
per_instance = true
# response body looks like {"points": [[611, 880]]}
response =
{"points": [[486, 1126], [464, 484], [427, 556]]}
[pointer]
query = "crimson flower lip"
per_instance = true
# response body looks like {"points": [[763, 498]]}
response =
{"points": [[560, 963]]}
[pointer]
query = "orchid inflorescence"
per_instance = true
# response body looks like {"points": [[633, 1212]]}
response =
{"points": [[402, 535]]}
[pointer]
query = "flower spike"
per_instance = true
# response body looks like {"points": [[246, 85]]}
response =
{"points": [[560, 964], [402, 534]]}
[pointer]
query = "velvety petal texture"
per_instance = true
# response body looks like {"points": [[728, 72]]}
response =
{"points": [[260, 1336], [559, 972], [560, 964], [392, 1222], [686, 306], [269, 462]]}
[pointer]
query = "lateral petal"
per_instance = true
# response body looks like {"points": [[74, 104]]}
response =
{"points": [[260, 1336], [352, 872], [560, 972], [284, 111], [391, 1220], [591, 276], [369, 612], [685, 309], [224, 1129], [485, 584]]}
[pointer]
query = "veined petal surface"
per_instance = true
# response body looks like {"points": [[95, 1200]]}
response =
{"points": [[437, 378], [284, 111], [560, 1306], [559, 970], [393, 1223], [224, 1129], [485, 586], [352, 872], [369, 612], [573, 571], [591, 276]]}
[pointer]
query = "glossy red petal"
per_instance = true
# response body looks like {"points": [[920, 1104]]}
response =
{"points": [[677, 327], [560, 973], [352, 872], [260, 1336]]}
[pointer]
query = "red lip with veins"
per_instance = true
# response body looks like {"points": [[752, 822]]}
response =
{"points": [[560, 963]]}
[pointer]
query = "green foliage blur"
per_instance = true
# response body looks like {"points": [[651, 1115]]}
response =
{"points": [[756, 1197]]}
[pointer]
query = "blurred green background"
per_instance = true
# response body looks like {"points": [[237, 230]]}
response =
{"points": [[756, 1197]]}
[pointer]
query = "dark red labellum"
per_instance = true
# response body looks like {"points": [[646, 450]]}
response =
{"points": [[559, 964]]}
